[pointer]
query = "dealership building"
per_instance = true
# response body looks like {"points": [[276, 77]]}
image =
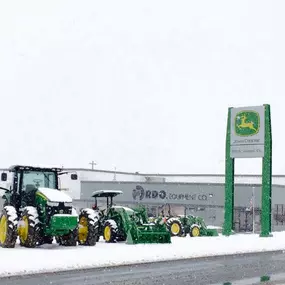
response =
{"points": [[201, 195]]}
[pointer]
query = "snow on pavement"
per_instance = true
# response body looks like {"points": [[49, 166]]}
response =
{"points": [[50, 258]]}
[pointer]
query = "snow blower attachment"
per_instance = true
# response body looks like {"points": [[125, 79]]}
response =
{"points": [[121, 223]]}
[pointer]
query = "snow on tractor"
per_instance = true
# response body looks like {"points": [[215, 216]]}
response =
{"points": [[36, 211], [119, 223]]}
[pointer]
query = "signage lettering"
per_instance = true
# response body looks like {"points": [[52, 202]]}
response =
{"points": [[139, 193]]}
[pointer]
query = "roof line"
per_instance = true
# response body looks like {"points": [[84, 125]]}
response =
{"points": [[176, 183], [161, 174], [166, 174]]}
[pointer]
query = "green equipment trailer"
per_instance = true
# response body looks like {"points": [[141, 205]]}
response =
{"points": [[119, 223], [36, 210]]}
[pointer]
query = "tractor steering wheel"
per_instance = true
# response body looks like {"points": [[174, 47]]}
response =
{"points": [[137, 219]]}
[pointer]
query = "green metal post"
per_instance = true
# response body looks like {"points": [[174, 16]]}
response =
{"points": [[229, 183], [266, 177]]}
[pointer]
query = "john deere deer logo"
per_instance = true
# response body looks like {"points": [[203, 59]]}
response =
{"points": [[247, 123]]}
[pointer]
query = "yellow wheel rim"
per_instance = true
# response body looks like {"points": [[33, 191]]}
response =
{"points": [[195, 232], [175, 229], [83, 229], [107, 233], [23, 229], [3, 229]]}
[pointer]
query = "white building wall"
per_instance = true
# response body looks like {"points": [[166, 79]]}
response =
{"points": [[73, 187]]}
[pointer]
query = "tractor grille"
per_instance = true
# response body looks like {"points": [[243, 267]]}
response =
{"points": [[60, 209]]}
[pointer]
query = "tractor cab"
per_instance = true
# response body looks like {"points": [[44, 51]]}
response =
{"points": [[111, 209], [27, 181]]}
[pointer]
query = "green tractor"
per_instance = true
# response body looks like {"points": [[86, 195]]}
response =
{"points": [[36, 211], [119, 223], [188, 224], [192, 225]]}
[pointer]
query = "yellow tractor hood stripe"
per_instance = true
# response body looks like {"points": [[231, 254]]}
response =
{"points": [[42, 195]]}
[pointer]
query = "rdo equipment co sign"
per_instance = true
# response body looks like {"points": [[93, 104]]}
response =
{"points": [[249, 136]]}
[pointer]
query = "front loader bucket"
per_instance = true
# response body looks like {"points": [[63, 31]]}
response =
{"points": [[148, 233], [209, 232], [212, 233]]}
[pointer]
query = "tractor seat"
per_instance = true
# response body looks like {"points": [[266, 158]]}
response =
{"points": [[29, 194], [30, 188]]}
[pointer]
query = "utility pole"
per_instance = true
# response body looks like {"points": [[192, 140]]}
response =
{"points": [[93, 163], [115, 177]]}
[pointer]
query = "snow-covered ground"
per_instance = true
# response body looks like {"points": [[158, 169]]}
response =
{"points": [[49, 258]]}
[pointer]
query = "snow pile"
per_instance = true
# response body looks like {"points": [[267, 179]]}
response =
{"points": [[112, 223], [58, 258], [92, 215]]}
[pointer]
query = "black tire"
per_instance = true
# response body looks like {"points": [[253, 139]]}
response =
{"points": [[88, 232], [122, 237], [110, 231], [48, 240], [175, 227], [45, 240], [8, 227], [68, 240], [30, 220]]}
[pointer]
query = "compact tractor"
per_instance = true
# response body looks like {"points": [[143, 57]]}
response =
{"points": [[36, 210], [188, 224], [119, 223]]}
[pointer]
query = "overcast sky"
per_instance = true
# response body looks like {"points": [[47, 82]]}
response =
{"points": [[144, 85]]}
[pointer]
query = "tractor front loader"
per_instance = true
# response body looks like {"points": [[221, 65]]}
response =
{"points": [[119, 223], [37, 211]]}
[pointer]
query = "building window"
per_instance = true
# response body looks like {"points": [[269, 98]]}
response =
{"points": [[279, 214]]}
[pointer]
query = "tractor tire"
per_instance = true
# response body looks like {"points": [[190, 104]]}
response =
{"points": [[122, 237], [45, 240], [88, 231], [8, 227], [69, 239], [48, 240], [175, 227], [194, 231], [29, 227], [110, 231]]}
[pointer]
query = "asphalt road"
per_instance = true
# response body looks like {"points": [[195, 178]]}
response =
{"points": [[202, 271]]}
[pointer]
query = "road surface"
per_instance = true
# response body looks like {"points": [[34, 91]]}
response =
{"points": [[202, 271]]}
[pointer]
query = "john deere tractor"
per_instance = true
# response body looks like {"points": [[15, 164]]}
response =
{"points": [[119, 223], [188, 224], [37, 211]]}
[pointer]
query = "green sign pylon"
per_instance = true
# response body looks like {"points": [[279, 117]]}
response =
{"points": [[248, 136]]}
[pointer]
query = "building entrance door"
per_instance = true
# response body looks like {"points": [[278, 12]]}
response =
{"points": [[243, 220]]}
